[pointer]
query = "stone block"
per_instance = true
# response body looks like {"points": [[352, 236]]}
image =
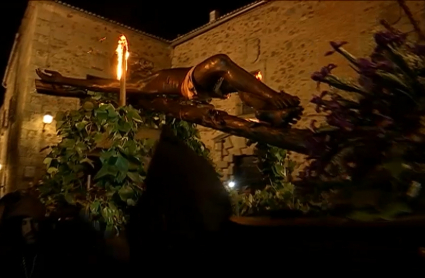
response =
{"points": [[227, 143], [42, 39], [230, 170], [238, 142], [247, 151], [43, 27], [31, 134], [222, 164], [218, 146], [29, 171], [228, 158], [235, 151]]}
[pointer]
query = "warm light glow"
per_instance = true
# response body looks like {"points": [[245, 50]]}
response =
{"points": [[122, 50], [47, 119], [259, 76], [1, 166], [253, 120], [231, 184]]}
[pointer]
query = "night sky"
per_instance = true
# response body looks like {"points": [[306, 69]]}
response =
{"points": [[164, 18]]}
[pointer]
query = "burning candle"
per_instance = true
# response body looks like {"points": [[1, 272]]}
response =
{"points": [[259, 76], [122, 54]]}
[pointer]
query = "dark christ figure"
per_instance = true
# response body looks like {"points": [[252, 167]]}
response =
{"points": [[215, 77]]}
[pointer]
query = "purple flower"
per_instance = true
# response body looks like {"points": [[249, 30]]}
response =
{"points": [[326, 105], [318, 100], [418, 49], [338, 120], [325, 71], [385, 38], [316, 145], [369, 68], [366, 83]]}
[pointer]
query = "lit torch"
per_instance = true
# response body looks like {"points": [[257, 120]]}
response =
{"points": [[122, 51]]}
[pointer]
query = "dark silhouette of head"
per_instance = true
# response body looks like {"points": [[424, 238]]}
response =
{"points": [[21, 216], [184, 198]]}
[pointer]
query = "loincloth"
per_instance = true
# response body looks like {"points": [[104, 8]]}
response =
{"points": [[188, 89]]}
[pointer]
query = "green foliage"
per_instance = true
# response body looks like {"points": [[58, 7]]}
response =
{"points": [[99, 164], [275, 164], [278, 194], [190, 135]]}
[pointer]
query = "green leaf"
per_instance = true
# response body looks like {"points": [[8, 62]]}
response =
{"points": [[126, 192], [105, 171], [149, 143], [47, 161], [98, 137], [134, 176], [59, 124], [95, 207], [88, 161], [69, 198], [80, 148], [101, 115], [60, 116], [67, 143], [105, 156], [67, 179], [121, 163], [131, 202], [124, 127], [133, 114], [52, 170], [106, 213], [88, 106], [112, 113], [130, 147], [81, 125]]}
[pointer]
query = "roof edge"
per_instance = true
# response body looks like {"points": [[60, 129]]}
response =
{"points": [[112, 21], [181, 39], [206, 27]]}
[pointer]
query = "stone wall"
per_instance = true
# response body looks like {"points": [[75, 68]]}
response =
{"points": [[287, 40], [17, 82], [57, 37]]}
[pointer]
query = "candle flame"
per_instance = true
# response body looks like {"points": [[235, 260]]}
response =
{"points": [[121, 49], [259, 76]]}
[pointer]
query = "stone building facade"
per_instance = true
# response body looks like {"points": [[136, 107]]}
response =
{"points": [[75, 43], [285, 40]]}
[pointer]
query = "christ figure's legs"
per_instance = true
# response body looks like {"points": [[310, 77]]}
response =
{"points": [[236, 79]]}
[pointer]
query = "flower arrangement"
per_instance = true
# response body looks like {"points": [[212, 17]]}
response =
{"points": [[370, 151]]}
